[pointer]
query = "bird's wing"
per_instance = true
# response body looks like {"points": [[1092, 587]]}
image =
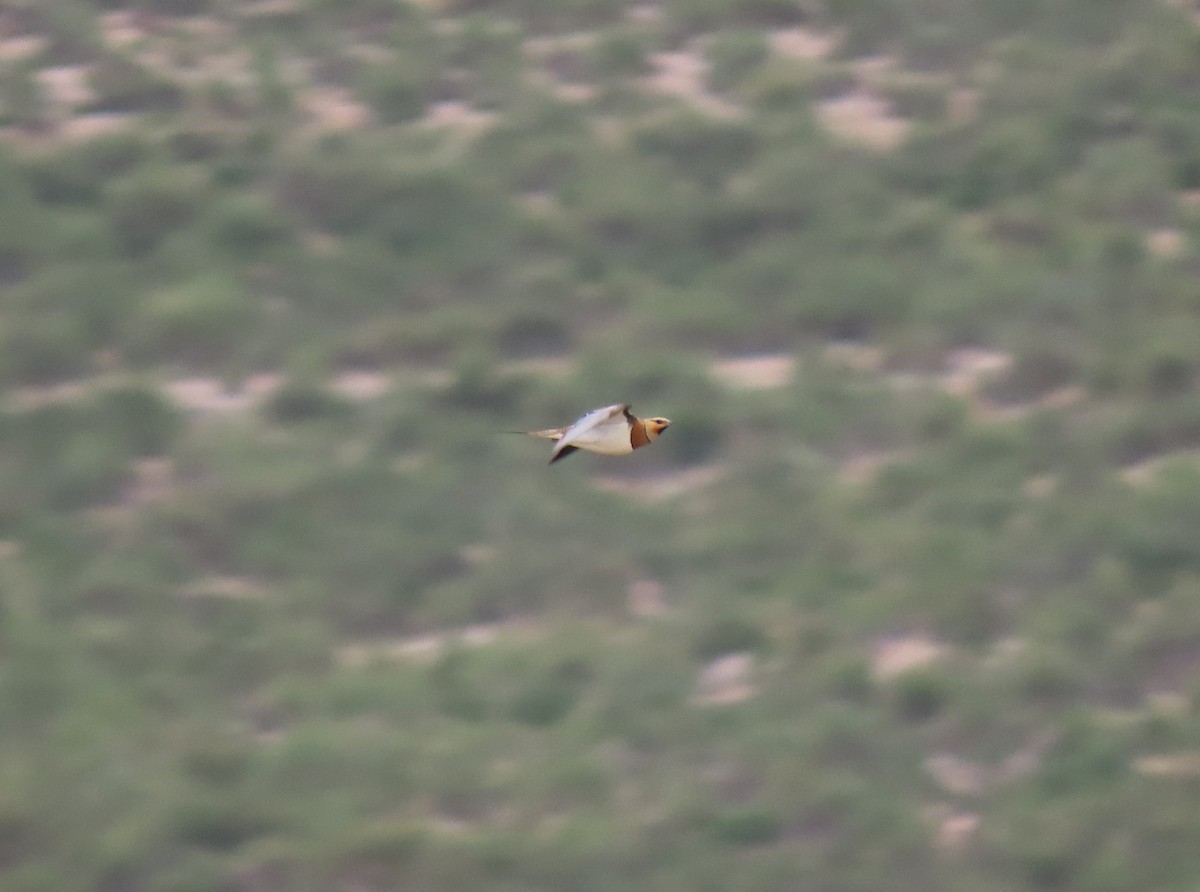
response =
{"points": [[594, 422]]}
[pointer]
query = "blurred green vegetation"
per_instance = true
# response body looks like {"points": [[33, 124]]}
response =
{"points": [[907, 598]]}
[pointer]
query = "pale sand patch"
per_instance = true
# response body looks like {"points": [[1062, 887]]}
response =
{"points": [[547, 45], [121, 28], [1144, 472], [35, 396], [361, 384], [647, 13], [81, 128], [802, 43], [856, 355], [1024, 761], [762, 372], [1061, 398], [1041, 486], [212, 395], [268, 8], [684, 74], [1166, 242], [333, 109], [1179, 765], [153, 481], [67, 85], [967, 367], [428, 647], [235, 588], [573, 92], [726, 680], [962, 105], [540, 203], [24, 46], [894, 656], [459, 116], [955, 830], [646, 598], [558, 366], [864, 467], [864, 118], [956, 775], [478, 553]]}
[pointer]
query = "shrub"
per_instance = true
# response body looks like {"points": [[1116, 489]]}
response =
{"points": [[395, 93], [202, 320], [122, 85], [544, 702], [144, 209], [730, 634], [247, 227], [747, 826], [698, 147], [733, 56], [140, 417], [920, 694], [302, 401]]}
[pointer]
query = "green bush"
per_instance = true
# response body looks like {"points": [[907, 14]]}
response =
{"points": [[394, 92], [122, 85], [730, 634], [146, 208], [203, 320], [747, 826], [140, 417]]}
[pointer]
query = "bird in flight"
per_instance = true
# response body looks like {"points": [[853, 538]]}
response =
{"points": [[613, 430]]}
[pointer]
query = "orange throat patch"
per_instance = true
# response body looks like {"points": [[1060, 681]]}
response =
{"points": [[637, 434]]}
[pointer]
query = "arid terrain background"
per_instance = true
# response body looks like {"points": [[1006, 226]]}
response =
{"points": [[908, 597]]}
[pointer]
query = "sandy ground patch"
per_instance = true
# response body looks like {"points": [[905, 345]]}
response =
{"points": [[1178, 765], [236, 588], [952, 828], [1145, 472], [361, 384], [212, 394], [428, 647], [726, 680], [333, 109], [802, 43], [856, 355], [956, 775], [84, 127], [153, 481], [646, 598], [684, 75], [67, 85], [24, 46], [893, 656], [968, 367], [462, 117], [864, 118], [962, 105], [762, 372], [540, 365], [1166, 242], [121, 28], [865, 466]]}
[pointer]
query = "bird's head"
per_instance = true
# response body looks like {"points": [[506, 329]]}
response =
{"points": [[655, 426]]}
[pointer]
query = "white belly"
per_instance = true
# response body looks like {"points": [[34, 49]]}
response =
{"points": [[607, 439]]}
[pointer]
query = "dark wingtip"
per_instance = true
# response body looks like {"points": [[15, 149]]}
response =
{"points": [[563, 453]]}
